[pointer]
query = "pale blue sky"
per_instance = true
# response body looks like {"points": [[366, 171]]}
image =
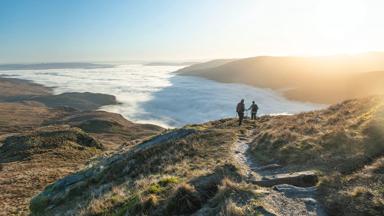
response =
{"points": [[118, 30]]}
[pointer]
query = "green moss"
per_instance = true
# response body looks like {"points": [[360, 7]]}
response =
{"points": [[156, 189], [163, 184], [169, 180]]}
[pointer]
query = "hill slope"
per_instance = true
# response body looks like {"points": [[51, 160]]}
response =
{"points": [[197, 169], [345, 143], [316, 79], [39, 145]]}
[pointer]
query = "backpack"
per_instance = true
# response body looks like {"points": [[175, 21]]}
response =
{"points": [[255, 108]]}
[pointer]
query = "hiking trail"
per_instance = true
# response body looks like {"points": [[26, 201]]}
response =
{"points": [[289, 193]]}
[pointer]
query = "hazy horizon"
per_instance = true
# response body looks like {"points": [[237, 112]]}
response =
{"points": [[148, 61], [120, 31]]}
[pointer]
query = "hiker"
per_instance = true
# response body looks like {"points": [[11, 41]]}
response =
{"points": [[253, 109], [240, 111]]}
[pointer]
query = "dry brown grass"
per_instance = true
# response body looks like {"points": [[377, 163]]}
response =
{"points": [[112, 129], [341, 142], [339, 136], [20, 181], [19, 88], [159, 180], [26, 168], [31, 157], [20, 117], [32, 161], [209, 179], [361, 193]]}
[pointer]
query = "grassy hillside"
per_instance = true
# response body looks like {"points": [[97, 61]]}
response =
{"points": [[195, 170], [31, 161], [112, 129], [316, 79], [178, 174], [39, 145], [344, 142], [98, 163]]}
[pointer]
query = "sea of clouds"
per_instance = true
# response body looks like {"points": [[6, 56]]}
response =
{"points": [[154, 94]]}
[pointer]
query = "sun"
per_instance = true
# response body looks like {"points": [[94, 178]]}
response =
{"points": [[339, 24]]}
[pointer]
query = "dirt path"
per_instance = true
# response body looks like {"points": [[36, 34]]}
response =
{"points": [[283, 199]]}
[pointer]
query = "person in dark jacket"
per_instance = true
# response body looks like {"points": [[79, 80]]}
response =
{"points": [[253, 109], [240, 111]]}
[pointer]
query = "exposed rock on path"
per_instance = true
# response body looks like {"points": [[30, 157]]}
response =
{"points": [[299, 179], [290, 193]]}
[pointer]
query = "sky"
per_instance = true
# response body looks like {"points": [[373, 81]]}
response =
{"points": [[176, 30]]}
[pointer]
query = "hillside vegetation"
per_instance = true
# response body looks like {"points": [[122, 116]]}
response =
{"points": [[182, 172], [195, 170], [344, 142], [39, 145], [315, 79]]}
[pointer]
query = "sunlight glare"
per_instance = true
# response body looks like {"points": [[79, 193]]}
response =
{"points": [[339, 24]]}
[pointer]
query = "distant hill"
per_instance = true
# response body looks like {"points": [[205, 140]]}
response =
{"points": [[66, 65], [201, 67], [17, 90], [315, 79], [11, 87]]}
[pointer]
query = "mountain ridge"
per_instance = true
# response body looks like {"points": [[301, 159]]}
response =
{"points": [[310, 79]]}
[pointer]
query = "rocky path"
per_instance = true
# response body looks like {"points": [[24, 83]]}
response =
{"points": [[290, 193]]}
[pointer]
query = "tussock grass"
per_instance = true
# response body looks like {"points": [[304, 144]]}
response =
{"points": [[233, 198], [198, 173], [33, 160], [39, 145], [360, 193], [157, 179], [340, 142]]}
